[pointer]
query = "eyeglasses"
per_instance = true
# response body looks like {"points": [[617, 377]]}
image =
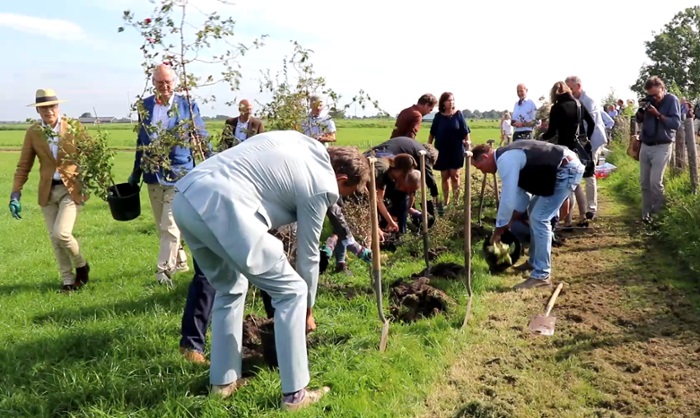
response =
{"points": [[47, 108], [164, 82]]}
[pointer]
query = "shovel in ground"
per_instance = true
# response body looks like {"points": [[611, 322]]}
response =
{"points": [[424, 204], [544, 324], [376, 255], [468, 233]]}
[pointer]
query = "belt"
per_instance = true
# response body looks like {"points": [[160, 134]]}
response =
{"points": [[55, 182]]}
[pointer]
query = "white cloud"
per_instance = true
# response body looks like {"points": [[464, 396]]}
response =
{"points": [[59, 29]]}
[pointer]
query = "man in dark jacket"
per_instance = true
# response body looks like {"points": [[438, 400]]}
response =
{"points": [[406, 145], [546, 171]]}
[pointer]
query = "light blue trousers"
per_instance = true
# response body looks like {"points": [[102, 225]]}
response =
{"points": [[286, 288], [542, 210]]}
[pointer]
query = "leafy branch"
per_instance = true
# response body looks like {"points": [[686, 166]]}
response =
{"points": [[170, 37]]}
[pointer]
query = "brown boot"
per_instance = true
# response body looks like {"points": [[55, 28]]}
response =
{"points": [[533, 283], [193, 356], [342, 268], [310, 397]]}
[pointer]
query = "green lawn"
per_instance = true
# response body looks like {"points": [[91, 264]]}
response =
{"points": [[112, 348], [362, 133]]}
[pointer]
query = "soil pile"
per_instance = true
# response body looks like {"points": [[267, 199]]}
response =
{"points": [[417, 299]]}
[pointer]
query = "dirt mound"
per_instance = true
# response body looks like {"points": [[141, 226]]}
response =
{"points": [[448, 270], [417, 299], [254, 350], [391, 242]]}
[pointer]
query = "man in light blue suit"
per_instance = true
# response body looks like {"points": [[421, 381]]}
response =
{"points": [[161, 114], [225, 207]]}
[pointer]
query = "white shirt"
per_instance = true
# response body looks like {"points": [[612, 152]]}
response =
{"points": [[525, 112], [317, 126], [160, 116], [241, 130], [53, 143], [506, 127]]}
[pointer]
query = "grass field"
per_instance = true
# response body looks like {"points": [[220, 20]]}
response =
{"points": [[112, 349], [362, 133]]}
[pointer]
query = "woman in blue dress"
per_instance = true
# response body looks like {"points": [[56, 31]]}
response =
{"points": [[451, 134]]}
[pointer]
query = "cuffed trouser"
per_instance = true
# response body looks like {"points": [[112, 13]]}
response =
{"points": [[60, 214], [287, 289], [170, 252], [653, 160]]}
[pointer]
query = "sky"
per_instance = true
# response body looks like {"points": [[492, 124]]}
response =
{"points": [[395, 50]]}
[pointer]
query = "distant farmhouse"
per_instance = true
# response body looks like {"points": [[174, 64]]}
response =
{"points": [[103, 119]]}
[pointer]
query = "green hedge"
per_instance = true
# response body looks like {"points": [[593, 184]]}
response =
{"points": [[679, 223]]}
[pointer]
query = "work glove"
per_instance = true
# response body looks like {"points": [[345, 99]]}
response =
{"points": [[365, 255], [15, 206], [134, 179], [361, 252]]}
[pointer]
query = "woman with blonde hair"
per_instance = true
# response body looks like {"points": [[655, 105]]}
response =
{"points": [[506, 129], [566, 119]]}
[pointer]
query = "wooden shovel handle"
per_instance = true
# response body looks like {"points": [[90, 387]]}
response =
{"points": [[553, 298], [374, 216]]}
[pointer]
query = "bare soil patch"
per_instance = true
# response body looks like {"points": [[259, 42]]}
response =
{"points": [[627, 339]]}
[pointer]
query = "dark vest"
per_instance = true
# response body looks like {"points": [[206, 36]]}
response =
{"points": [[539, 175]]}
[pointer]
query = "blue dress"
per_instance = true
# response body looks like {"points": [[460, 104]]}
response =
{"points": [[449, 132]]}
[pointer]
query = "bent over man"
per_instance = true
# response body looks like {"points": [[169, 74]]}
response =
{"points": [[549, 173], [225, 207], [60, 196]]}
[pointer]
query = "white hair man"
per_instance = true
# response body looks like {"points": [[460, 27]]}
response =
{"points": [[598, 140], [162, 114]]}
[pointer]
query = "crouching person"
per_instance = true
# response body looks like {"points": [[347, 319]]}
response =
{"points": [[225, 207], [342, 240], [549, 173]]}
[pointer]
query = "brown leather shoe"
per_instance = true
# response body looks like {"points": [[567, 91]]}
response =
{"points": [[310, 397], [533, 283], [193, 356], [82, 275], [224, 391]]}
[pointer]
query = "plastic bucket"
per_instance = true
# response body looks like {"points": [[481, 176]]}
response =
{"points": [[124, 202]]}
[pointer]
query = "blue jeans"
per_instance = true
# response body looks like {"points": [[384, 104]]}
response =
{"points": [[542, 210], [339, 252]]}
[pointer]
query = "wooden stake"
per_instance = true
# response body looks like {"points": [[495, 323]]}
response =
{"points": [[468, 234]]}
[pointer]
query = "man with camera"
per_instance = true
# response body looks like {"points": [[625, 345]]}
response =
{"points": [[659, 114]]}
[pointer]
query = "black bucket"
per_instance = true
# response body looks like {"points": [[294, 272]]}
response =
{"points": [[507, 238], [124, 201]]}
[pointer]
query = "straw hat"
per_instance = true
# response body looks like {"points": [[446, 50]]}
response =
{"points": [[45, 97]]}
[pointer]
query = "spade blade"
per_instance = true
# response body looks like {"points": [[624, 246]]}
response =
{"points": [[542, 325]]}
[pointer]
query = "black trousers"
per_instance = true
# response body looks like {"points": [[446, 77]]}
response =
{"points": [[200, 300]]}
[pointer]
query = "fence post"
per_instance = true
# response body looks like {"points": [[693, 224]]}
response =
{"points": [[679, 146], [692, 148]]}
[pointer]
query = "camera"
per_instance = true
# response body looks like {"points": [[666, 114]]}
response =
{"points": [[645, 103]]}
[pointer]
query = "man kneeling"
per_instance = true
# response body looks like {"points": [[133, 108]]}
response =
{"points": [[225, 207], [549, 173]]}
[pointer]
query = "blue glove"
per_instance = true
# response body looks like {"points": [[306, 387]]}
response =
{"points": [[326, 251], [15, 208], [365, 255], [134, 179]]}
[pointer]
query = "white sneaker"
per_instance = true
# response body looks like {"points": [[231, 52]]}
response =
{"points": [[182, 267]]}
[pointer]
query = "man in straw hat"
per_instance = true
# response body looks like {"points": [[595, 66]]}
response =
{"points": [[60, 196]]}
